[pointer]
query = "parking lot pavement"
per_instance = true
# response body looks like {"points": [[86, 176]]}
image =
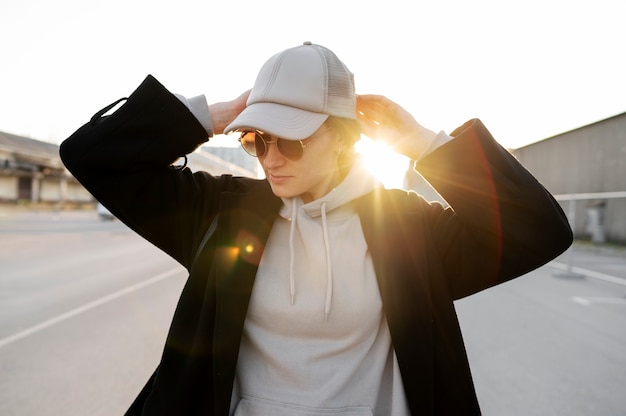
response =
{"points": [[552, 342], [607, 263]]}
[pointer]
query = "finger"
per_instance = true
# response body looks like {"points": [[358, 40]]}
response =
{"points": [[373, 107], [368, 102], [370, 128], [369, 113]]}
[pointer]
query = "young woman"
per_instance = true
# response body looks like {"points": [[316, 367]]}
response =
{"points": [[315, 290]]}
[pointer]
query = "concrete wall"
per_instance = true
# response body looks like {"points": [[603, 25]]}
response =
{"points": [[50, 190], [76, 193], [586, 160], [8, 188]]}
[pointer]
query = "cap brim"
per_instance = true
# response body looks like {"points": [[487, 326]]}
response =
{"points": [[278, 120]]}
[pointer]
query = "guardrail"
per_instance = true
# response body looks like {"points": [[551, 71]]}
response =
{"points": [[571, 199]]}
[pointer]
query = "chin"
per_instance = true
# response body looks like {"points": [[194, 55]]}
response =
{"points": [[280, 192]]}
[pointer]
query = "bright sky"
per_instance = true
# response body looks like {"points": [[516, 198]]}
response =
{"points": [[528, 69]]}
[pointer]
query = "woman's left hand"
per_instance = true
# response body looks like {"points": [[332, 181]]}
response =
{"points": [[382, 119]]}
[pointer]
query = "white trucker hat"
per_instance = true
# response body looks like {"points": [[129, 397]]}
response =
{"points": [[295, 92]]}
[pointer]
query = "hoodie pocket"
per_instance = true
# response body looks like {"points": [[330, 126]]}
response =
{"points": [[250, 406]]}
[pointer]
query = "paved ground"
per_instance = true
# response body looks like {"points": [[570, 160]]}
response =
{"points": [[552, 342]]}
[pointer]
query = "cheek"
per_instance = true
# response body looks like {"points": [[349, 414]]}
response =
{"points": [[324, 156], [313, 171]]}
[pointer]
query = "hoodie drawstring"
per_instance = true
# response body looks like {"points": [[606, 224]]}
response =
{"points": [[329, 269], [292, 260]]}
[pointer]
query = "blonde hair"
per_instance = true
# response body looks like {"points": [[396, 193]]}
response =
{"points": [[348, 132]]}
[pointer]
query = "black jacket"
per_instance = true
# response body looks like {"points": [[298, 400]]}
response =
{"points": [[502, 224]]}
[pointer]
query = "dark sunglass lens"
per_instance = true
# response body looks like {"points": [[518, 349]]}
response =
{"points": [[249, 142], [259, 144], [291, 149]]}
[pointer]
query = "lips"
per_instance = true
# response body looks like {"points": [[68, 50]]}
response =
{"points": [[277, 179]]}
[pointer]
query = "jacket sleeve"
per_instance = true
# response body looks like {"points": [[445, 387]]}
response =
{"points": [[502, 222], [124, 159]]}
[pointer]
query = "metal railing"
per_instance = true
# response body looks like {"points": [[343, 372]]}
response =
{"points": [[571, 199]]}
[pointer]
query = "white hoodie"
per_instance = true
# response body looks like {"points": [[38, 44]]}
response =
{"points": [[315, 339]]}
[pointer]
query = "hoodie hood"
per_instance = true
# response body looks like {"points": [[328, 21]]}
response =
{"points": [[357, 183]]}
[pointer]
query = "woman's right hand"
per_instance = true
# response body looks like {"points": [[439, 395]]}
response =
{"points": [[223, 113]]}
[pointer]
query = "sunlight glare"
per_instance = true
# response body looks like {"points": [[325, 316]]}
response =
{"points": [[389, 167]]}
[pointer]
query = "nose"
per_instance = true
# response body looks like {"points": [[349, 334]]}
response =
{"points": [[272, 157]]}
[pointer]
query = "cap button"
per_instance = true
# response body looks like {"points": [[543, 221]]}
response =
{"points": [[308, 42]]}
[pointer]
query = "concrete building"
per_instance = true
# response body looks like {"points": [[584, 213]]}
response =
{"points": [[31, 172], [235, 156], [586, 169]]}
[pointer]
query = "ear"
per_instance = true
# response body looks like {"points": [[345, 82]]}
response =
{"points": [[339, 143]]}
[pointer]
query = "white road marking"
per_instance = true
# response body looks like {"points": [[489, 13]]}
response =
{"points": [[590, 273], [587, 301], [86, 307]]}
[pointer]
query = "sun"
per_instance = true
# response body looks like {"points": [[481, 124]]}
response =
{"points": [[389, 167]]}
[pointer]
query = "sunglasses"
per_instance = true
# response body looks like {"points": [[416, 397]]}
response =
{"points": [[256, 143]]}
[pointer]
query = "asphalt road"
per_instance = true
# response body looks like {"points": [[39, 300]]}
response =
{"points": [[84, 311], [85, 306], [552, 342]]}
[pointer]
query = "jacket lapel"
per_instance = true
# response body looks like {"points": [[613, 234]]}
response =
{"points": [[393, 225], [243, 228]]}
